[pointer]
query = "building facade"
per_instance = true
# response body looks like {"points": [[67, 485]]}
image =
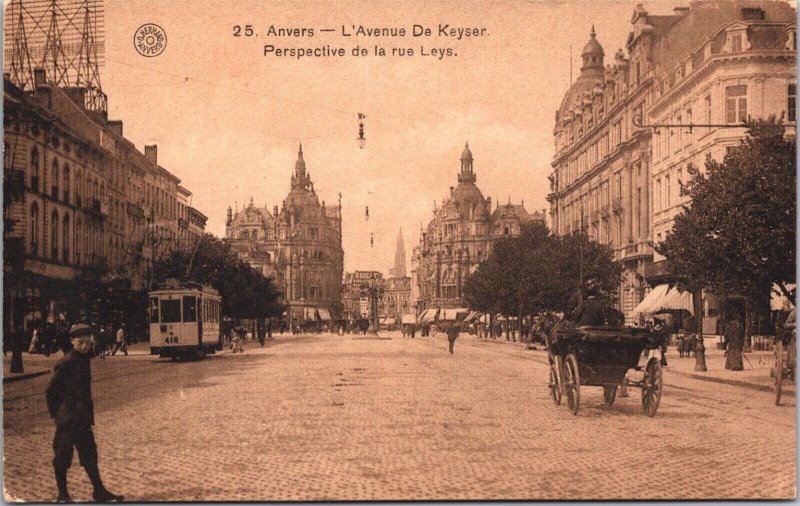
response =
{"points": [[615, 177], [300, 246], [458, 238], [82, 206]]}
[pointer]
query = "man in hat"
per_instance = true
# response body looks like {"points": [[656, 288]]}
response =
{"points": [[69, 400], [590, 312], [452, 334]]}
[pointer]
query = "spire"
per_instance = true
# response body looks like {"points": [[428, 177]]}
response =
{"points": [[466, 175], [399, 270], [300, 179], [592, 55]]}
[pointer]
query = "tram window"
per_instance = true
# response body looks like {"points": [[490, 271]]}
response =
{"points": [[189, 309], [153, 309], [170, 311]]}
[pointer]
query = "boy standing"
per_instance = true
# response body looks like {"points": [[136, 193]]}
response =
{"points": [[69, 400]]}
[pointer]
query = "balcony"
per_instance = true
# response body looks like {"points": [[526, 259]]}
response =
{"points": [[656, 271], [605, 211], [135, 210], [183, 223], [595, 217], [616, 205]]}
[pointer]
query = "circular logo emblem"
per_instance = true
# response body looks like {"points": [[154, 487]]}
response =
{"points": [[150, 40]]}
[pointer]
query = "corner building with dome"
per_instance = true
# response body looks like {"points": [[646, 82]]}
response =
{"points": [[300, 246], [458, 238]]}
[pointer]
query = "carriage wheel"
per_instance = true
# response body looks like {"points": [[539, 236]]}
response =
{"points": [[778, 372], [555, 383], [609, 394], [652, 384], [572, 383]]}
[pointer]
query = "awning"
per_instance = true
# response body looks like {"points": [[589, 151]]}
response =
{"points": [[664, 297], [408, 319], [778, 301], [428, 315], [324, 314], [472, 316], [310, 314], [453, 314]]}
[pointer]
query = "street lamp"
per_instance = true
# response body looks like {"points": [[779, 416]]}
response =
{"points": [[373, 292]]}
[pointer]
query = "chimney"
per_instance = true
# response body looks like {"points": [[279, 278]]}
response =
{"points": [[39, 77], [116, 127], [680, 11], [151, 153]]}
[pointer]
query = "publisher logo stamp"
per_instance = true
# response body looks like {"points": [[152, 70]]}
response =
{"points": [[150, 40]]}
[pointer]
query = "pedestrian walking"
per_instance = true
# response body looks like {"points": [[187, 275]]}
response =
{"points": [[120, 344], [452, 334], [69, 401]]}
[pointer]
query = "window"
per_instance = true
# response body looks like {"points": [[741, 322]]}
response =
{"points": [[66, 183], [34, 228], [657, 203], [708, 111], [791, 104], [688, 137], [679, 121], [35, 169], [667, 190], [54, 180], [170, 311], [65, 240], [736, 43], [54, 236], [153, 309], [189, 309], [736, 104]]}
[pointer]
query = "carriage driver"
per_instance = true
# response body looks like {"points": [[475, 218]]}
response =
{"points": [[69, 400], [590, 312]]}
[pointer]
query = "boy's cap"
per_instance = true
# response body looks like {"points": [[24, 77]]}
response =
{"points": [[80, 330]]}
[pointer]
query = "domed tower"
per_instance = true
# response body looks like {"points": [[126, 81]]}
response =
{"points": [[592, 56], [466, 175]]}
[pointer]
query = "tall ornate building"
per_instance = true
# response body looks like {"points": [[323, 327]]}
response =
{"points": [[300, 246], [397, 289], [458, 238], [617, 179]]}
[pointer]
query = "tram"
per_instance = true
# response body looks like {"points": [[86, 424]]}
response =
{"points": [[184, 321]]}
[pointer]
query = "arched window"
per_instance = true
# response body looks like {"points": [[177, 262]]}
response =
{"points": [[34, 229], [65, 240], [78, 188], [54, 236], [255, 234], [66, 183], [77, 242], [35, 169], [54, 179]]}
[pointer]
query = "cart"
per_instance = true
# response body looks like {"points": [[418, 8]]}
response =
{"points": [[602, 356]]}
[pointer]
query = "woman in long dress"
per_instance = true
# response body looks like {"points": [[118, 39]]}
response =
{"points": [[734, 338]]}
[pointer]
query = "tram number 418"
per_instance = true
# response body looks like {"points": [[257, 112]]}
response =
{"points": [[171, 340]]}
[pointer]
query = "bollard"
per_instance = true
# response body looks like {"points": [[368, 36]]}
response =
{"points": [[700, 355]]}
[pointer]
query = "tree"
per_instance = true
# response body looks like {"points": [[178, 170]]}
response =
{"points": [[738, 235], [245, 292], [537, 271]]}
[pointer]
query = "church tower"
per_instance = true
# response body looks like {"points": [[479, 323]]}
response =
{"points": [[399, 270]]}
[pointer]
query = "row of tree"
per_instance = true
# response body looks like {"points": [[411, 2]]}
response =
{"points": [[539, 271], [246, 293]]}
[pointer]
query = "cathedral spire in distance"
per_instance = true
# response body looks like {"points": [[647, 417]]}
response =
{"points": [[300, 178], [399, 270]]}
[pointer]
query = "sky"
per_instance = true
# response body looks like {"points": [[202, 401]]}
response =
{"points": [[228, 120]]}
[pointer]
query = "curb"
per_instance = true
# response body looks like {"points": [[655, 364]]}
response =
{"points": [[731, 382], [24, 376]]}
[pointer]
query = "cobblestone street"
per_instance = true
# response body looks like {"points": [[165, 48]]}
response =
{"points": [[331, 418]]}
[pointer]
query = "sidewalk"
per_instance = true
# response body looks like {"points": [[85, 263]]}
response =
{"points": [[755, 375], [37, 365]]}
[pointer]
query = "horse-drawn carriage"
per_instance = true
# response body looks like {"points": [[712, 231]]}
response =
{"points": [[602, 356]]}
